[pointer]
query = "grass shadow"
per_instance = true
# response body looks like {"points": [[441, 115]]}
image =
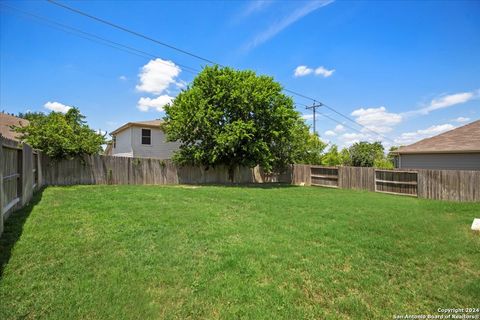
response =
{"points": [[13, 229]]}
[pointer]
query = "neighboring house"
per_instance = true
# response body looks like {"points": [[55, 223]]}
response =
{"points": [[7, 121], [456, 149], [144, 139]]}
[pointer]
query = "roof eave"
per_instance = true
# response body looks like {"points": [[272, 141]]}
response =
{"points": [[435, 151], [134, 124]]}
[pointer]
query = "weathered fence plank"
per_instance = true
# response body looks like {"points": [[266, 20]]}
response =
{"points": [[455, 185], [452, 185], [20, 176], [396, 182], [28, 179], [356, 178], [324, 176], [119, 170], [301, 175]]}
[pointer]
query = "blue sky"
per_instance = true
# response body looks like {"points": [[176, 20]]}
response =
{"points": [[407, 69]]}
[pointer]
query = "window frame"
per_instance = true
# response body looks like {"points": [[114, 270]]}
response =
{"points": [[144, 136]]}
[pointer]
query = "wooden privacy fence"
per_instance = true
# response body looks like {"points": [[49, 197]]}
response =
{"points": [[23, 170], [454, 185], [20, 176], [357, 178], [121, 170]]}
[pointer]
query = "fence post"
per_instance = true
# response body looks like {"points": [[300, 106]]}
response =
{"points": [[2, 194], [27, 174], [39, 170]]}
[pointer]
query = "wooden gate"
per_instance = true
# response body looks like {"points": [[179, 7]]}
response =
{"points": [[396, 182], [324, 176]]}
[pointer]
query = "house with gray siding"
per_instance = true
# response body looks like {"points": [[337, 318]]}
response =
{"points": [[457, 149], [142, 139]]}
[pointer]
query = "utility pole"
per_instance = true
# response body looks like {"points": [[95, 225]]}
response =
{"points": [[314, 107]]}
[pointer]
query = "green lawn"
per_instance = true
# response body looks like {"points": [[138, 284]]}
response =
{"points": [[149, 252]]}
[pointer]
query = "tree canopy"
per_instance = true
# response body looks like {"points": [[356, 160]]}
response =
{"points": [[313, 148], [61, 135], [235, 118], [364, 154], [335, 158]]}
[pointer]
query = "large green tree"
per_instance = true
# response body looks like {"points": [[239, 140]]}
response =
{"points": [[235, 118], [61, 135], [364, 154]]}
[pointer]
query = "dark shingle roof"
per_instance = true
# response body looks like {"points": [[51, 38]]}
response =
{"points": [[465, 139]]}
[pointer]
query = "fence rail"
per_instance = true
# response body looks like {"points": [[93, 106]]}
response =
{"points": [[324, 176], [396, 182]]}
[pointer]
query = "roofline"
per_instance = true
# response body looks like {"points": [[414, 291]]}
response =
{"points": [[434, 151], [134, 124], [399, 151]]}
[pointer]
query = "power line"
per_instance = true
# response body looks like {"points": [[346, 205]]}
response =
{"points": [[93, 37], [132, 50], [340, 114], [333, 119], [130, 31], [196, 56]]}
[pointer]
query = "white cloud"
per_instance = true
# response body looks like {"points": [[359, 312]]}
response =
{"points": [[339, 128], [157, 75], [145, 104], [322, 71], [351, 138], [411, 137], [446, 101], [181, 84], [57, 107], [449, 100], [307, 116], [330, 133], [283, 23], [461, 119], [256, 6], [377, 119], [301, 71], [123, 78], [436, 129]]}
